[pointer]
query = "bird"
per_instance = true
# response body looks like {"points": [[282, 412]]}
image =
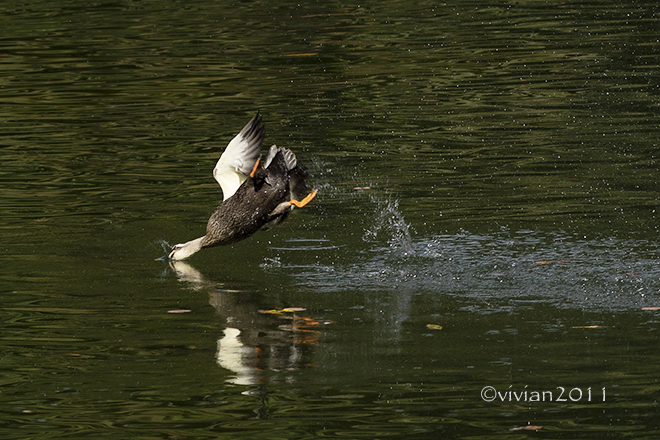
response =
{"points": [[255, 195]]}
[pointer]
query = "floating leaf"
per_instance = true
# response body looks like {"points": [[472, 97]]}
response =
{"points": [[271, 312], [650, 308], [589, 326], [179, 311], [283, 311], [306, 322], [526, 428], [434, 326]]}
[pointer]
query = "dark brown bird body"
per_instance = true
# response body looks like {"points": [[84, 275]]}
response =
{"points": [[258, 201]]}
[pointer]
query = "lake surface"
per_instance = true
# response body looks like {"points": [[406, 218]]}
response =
{"points": [[481, 260]]}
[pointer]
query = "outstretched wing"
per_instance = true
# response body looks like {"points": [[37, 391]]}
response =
{"points": [[239, 157]]}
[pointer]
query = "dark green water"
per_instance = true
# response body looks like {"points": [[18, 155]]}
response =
{"points": [[487, 168]]}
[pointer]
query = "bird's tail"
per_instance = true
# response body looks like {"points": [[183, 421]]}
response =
{"points": [[283, 157], [287, 155]]}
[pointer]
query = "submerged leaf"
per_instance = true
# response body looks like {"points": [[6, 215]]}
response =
{"points": [[307, 54], [544, 262]]}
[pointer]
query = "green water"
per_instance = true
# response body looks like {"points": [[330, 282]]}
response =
{"points": [[487, 217]]}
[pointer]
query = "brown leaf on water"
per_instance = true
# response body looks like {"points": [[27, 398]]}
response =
{"points": [[651, 308], [589, 326], [434, 326], [526, 428], [303, 322]]}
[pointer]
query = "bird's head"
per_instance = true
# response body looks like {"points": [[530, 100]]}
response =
{"points": [[182, 251]]}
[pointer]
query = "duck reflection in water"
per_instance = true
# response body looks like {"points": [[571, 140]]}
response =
{"points": [[258, 337], [254, 196]]}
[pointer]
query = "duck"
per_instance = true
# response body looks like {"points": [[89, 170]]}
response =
{"points": [[256, 195]]}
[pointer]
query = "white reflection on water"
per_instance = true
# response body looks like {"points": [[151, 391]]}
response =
{"points": [[256, 339]]}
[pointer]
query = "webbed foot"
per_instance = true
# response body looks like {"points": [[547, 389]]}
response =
{"points": [[305, 201]]}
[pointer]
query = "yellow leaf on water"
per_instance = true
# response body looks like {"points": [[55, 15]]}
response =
{"points": [[283, 311], [271, 312], [434, 326]]}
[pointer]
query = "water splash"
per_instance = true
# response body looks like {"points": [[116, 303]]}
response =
{"points": [[502, 271], [270, 263], [166, 248], [390, 224]]}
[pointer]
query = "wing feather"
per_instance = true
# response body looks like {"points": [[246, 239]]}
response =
{"points": [[239, 157]]}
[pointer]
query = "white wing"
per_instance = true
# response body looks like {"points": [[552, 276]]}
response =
{"points": [[239, 157]]}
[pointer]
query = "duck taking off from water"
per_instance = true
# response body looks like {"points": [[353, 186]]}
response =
{"points": [[254, 195]]}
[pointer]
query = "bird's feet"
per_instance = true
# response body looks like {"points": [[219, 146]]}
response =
{"points": [[303, 202]]}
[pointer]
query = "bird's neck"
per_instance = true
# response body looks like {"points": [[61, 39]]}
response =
{"points": [[191, 247]]}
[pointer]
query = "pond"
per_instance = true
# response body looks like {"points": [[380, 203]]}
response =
{"points": [[481, 260]]}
